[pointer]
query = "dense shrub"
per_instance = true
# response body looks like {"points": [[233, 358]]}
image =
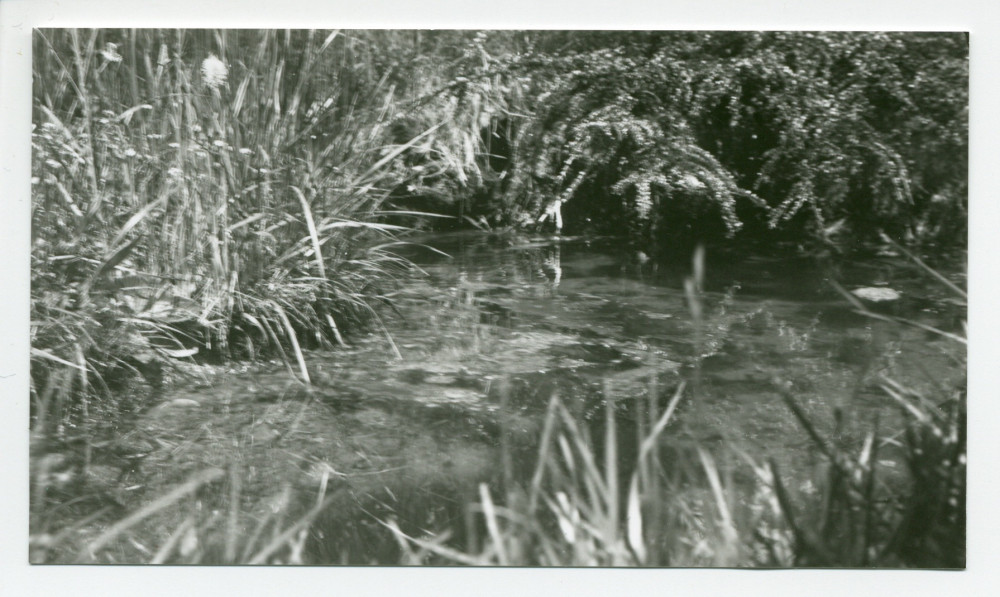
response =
{"points": [[794, 135]]}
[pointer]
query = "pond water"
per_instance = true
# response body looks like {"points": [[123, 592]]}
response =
{"points": [[583, 316], [407, 428]]}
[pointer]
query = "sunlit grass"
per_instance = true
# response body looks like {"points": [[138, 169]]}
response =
{"points": [[201, 194]]}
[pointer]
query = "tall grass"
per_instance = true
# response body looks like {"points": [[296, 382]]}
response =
{"points": [[597, 504], [197, 536], [212, 192], [203, 195]]}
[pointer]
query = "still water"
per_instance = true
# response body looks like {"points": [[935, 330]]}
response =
{"points": [[407, 423]]}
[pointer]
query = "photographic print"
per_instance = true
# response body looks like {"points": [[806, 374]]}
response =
{"points": [[498, 298]]}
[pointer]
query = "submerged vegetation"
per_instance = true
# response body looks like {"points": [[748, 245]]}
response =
{"points": [[205, 198], [670, 502]]}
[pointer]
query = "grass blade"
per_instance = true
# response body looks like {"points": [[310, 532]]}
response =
{"points": [[361, 180], [313, 234], [290, 333], [489, 512], [930, 270], [285, 536], [168, 546], [190, 486]]}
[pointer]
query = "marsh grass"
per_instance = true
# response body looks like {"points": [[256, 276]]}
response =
{"points": [[209, 194], [236, 535], [587, 503], [202, 195]]}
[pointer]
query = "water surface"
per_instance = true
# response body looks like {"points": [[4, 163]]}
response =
{"points": [[499, 324]]}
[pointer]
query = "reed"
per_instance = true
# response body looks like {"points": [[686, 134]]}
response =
{"points": [[575, 511], [200, 196], [212, 193]]}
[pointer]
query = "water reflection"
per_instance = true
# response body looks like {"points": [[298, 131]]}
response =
{"points": [[551, 264]]}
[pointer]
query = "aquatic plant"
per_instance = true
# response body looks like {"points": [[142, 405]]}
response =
{"points": [[864, 517]]}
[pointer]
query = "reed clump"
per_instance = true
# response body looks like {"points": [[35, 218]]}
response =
{"points": [[201, 195]]}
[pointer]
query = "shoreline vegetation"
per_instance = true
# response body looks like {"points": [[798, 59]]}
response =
{"points": [[211, 201]]}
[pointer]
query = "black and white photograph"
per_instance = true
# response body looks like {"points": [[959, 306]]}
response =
{"points": [[531, 297]]}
